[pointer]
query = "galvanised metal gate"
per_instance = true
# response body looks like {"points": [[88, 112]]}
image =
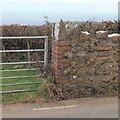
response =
{"points": [[28, 50]]}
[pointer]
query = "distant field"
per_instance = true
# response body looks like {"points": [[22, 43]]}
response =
{"points": [[14, 97]]}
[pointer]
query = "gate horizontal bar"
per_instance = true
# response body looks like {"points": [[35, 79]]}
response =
{"points": [[18, 91], [32, 50], [24, 37], [17, 84], [17, 70], [16, 63], [2, 78]]}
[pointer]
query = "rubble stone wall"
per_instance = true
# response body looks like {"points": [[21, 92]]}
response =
{"points": [[86, 65]]}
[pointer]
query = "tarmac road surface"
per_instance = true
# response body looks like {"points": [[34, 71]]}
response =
{"points": [[74, 108]]}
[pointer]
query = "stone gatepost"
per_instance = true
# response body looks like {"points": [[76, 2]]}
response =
{"points": [[60, 48]]}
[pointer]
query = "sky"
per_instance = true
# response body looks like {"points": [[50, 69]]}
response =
{"points": [[32, 11]]}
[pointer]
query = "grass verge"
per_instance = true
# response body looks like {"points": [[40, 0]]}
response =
{"points": [[17, 97]]}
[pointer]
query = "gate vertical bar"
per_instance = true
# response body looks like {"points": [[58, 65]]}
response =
{"points": [[46, 56], [28, 48]]}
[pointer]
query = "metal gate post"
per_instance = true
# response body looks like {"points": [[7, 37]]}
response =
{"points": [[46, 56]]}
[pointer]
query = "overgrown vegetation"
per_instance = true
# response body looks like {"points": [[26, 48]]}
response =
{"points": [[92, 26], [18, 30], [49, 90]]}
